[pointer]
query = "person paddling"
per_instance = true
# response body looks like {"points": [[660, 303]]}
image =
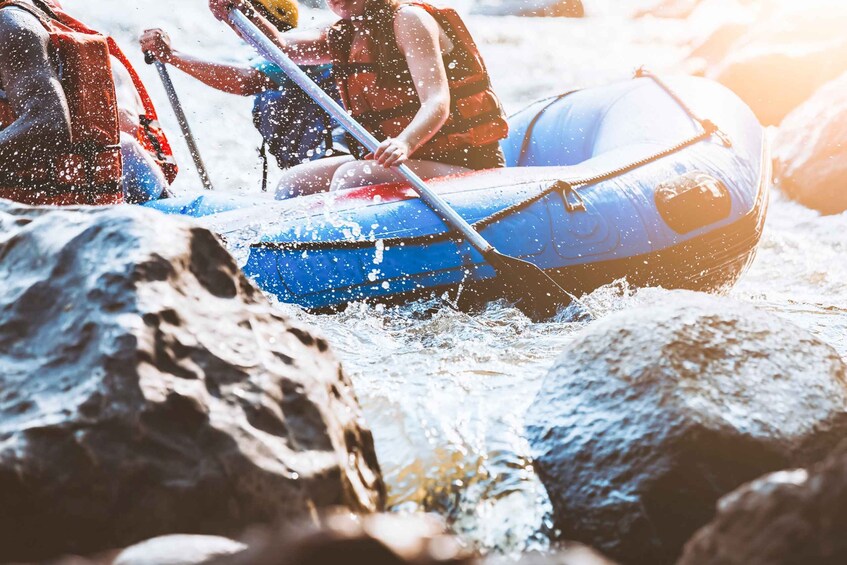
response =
{"points": [[59, 129], [293, 128], [412, 75]]}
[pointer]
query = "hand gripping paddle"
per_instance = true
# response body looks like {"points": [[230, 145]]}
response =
{"points": [[176, 105]]}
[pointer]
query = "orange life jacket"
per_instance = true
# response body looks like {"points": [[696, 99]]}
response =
{"points": [[382, 97], [89, 171]]}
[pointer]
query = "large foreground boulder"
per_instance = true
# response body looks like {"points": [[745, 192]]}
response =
{"points": [[810, 151], [380, 539], [147, 387], [652, 414], [785, 57], [377, 539], [786, 518]]}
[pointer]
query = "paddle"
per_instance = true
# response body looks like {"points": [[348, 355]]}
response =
{"points": [[176, 105], [533, 291]]}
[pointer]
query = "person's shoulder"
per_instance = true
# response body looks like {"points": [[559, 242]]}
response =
{"points": [[412, 15], [17, 16], [17, 24]]}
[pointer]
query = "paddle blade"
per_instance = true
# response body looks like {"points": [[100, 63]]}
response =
{"points": [[531, 289]]}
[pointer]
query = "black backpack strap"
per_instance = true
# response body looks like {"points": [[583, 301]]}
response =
{"points": [[340, 40], [326, 119], [263, 153]]}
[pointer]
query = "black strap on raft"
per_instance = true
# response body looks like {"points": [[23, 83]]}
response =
{"points": [[263, 154], [530, 128], [566, 187], [328, 126]]}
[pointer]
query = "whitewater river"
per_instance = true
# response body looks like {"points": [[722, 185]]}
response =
{"points": [[444, 392]]}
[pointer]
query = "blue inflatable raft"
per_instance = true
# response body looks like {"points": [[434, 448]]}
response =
{"points": [[625, 181]]}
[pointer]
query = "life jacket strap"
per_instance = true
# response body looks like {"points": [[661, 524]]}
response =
{"points": [[381, 93]]}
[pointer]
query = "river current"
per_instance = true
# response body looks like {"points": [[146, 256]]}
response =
{"points": [[446, 392]]}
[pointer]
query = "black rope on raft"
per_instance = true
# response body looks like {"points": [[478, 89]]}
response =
{"points": [[705, 124], [563, 186]]}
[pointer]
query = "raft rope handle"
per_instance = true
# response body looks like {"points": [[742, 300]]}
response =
{"points": [[707, 125], [564, 186], [573, 184]]}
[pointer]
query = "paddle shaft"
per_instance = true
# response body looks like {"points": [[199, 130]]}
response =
{"points": [[176, 105], [270, 51]]}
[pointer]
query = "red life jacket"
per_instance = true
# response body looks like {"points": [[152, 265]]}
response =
{"points": [[89, 172], [382, 97]]}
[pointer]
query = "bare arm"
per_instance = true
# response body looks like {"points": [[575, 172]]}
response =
{"points": [[43, 124], [303, 46], [232, 79], [418, 39]]}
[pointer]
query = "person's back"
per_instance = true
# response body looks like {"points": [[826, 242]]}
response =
{"points": [[36, 122], [59, 127]]}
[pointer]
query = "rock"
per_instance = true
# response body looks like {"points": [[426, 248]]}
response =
{"points": [[653, 413], [810, 150], [381, 539], [786, 57], [715, 47], [179, 550], [575, 554], [786, 518], [147, 388], [720, 25], [530, 8]]}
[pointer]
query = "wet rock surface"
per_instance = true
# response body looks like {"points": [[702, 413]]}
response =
{"points": [[381, 539], [791, 51], [654, 413], [339, 537], [574, 554], [146, 388], [720, 24], [179, 549], [810, 150], [786, 518]]}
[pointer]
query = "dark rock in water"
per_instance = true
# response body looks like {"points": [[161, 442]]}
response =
{"points": [[179, 550], [146, 388], [786, 518], [654, 413], [381, 539], [530, 8], [810, 151], [786, 57]]}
